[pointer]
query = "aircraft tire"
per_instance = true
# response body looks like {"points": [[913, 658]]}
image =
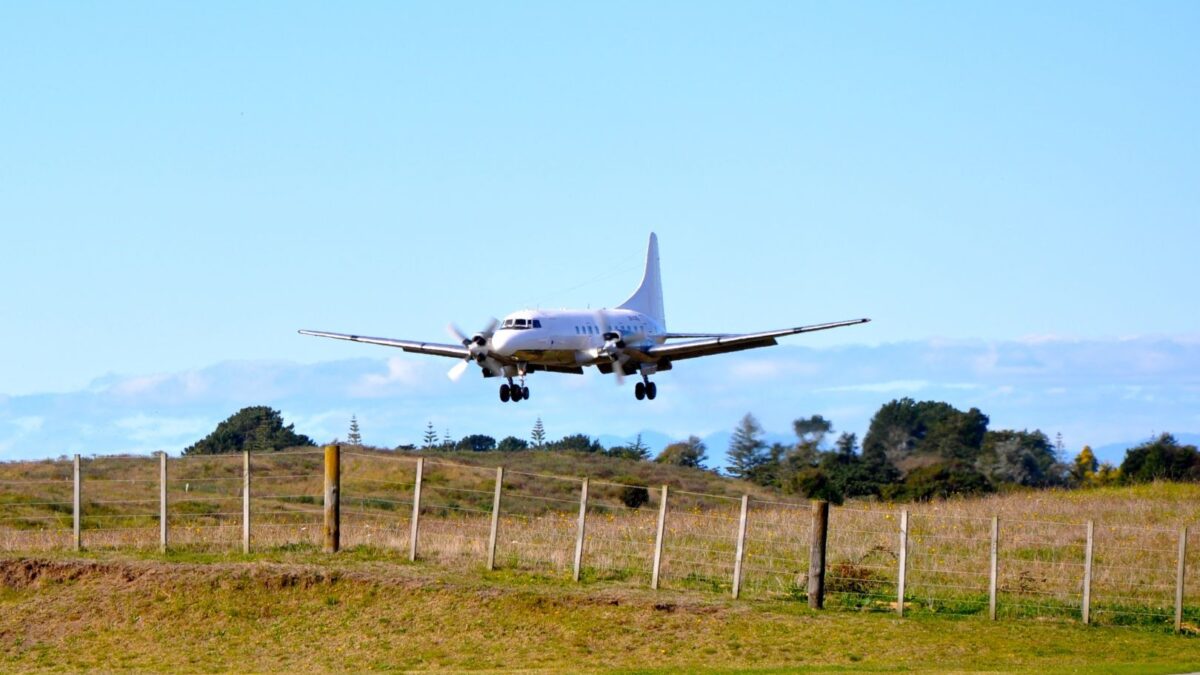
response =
{"points": [[515, 392], [504, 393], [651, 390], [639, 390], [525, 393]]}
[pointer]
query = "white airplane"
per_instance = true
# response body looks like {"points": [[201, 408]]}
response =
{"points": [[629, 339]]}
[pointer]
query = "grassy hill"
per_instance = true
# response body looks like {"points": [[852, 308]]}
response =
{"points": [[203, 605]]}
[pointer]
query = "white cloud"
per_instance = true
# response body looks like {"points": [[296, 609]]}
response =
{"points": [[401, 373]]}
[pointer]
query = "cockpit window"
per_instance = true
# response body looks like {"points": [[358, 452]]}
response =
{"points": [[520, 323], [507, 323], [536, 323]]}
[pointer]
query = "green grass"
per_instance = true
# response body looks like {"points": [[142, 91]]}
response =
{"points": [[293, 608]]}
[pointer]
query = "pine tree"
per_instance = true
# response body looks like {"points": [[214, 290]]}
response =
{"points": [[430, 436], [539, 434], [747, 451], [354, 438]]}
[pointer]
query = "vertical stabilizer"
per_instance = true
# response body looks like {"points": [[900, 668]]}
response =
{"points": [[648, 298]]}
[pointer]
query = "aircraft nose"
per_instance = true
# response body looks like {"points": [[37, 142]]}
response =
{"points": [[504, 342]]}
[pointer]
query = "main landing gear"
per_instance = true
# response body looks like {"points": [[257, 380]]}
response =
{"points": [[646, 389], [513, 392]]}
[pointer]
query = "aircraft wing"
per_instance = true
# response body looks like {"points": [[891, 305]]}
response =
{"points": [[452, 351], [734, 343]]}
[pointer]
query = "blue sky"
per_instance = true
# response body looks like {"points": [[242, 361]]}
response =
{"points": [[183, 186]]}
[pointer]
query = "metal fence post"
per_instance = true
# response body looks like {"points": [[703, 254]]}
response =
{"points": [[1087, 576], [816, 554], [491, 563], [658, 538], [1179, 570], [993, 568], [246, 502], [333, 498], [416, 512], [162, 502], [741, 548], [579, 533], [77, 511], [903, 564]]}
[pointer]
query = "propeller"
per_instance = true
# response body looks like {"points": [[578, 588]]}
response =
{"points": [[614, 346], [478, 346]]}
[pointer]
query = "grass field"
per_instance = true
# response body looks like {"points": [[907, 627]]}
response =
{"points": [[368, 609], [1041, 552]]}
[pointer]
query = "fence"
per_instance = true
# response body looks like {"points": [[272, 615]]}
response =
{"points": [[863, 557]]}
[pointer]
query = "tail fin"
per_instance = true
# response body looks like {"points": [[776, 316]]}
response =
{"points": [[648, 298]]}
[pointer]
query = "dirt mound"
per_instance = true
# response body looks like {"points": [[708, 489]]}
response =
{"points": [[23, 573]]}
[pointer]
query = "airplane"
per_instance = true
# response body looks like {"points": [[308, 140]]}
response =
{"points": [[631, 338]]}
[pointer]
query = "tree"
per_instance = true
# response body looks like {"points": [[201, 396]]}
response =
{"points": [[257, 428], [538, 436], [810, 434], [476, 443], [684, 453], [747, 451], [512, 444], [812, 430], [1020, 457], [635, 450], [354, 438], [1162, 458], [942, 479], [1084, 468], [430, 438], [578, 443], [904, 428]]}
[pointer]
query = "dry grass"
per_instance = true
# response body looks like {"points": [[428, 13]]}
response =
{"points": [[297, 610], [1041, 551]]}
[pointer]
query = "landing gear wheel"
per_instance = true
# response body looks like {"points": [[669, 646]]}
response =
{"points": [[525, 393], [504, 393], [639, 390], [515, 392], [651, 390]]}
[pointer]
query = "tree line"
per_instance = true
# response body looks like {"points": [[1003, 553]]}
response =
{"points": [[912, 450]]}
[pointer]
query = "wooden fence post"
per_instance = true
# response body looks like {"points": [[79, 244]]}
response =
{"points": [[246, 502], [333, 498], [993, 567], [579, 531], [903, 564], [416, 512], [162, 501], [658, 538], [77, 511], [491, 563], [1179, 570], [741, 548], [1087, 576], [816, 554]]}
